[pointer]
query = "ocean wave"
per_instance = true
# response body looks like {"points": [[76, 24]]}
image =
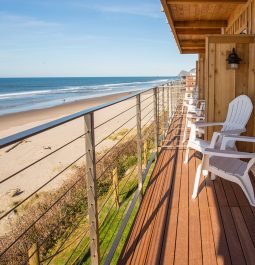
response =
{"points": [[24, 93], [82, 89], [77, 89], [137, 83]]}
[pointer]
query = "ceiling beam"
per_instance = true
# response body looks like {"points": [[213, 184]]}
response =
{"points": [[207, 1], [192, 43], [192, 51], [170, 21], [201, 24], [192, 31]]}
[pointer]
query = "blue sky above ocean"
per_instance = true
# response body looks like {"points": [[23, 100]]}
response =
{"points": [[87, 38]]}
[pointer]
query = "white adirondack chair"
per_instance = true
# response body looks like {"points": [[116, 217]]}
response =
{"points": [[190, 100], [194, 113], [227, 164], [239, 112]]}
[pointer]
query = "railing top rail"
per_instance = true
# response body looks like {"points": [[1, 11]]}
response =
{"points": [[12, 139]]}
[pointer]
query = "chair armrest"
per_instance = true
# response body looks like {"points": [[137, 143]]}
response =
{"points": [[237, 138], [232, 132], [207, 124], [216, 136], [230, 154]]}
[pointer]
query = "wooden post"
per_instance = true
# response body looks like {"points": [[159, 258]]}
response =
{"points": [[33, 254], [139, 145], [91, 188], [145, 151], [115, 182], [156, 120]]}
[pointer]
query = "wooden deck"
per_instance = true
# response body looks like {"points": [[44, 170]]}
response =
{"points": [[172, 228]]}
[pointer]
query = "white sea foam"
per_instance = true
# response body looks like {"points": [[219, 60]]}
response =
{"points": [[80, 89]]}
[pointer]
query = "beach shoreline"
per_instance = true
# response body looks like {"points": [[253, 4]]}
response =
{"points": [[24, 163], [16, 122]]}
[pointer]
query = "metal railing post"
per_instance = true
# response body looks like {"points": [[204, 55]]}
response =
{"points": [[139, 145], [156, 120], [167, 107], [91, 188], [164, 114], [171, 103]]}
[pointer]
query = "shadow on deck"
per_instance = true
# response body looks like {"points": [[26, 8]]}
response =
{"points": [[172, 228]]}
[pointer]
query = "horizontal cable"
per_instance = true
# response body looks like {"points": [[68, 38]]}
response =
{"points": [[77, 248], [80, 262], [146, 98], [116, 227], [128, 176], [40, 245], [149, 112], [107, 215], [115, 145], [102, 222], [67, 237], [147, 106], [105, 201], [40, 159], [114, 217], [103, 123], [115, 130], [116, 156], [33, 223], [46, 183], [114, 202], [147, 121], [50, 125], [83, 235]]}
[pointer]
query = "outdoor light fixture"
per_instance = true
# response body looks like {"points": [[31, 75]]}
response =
{"points": [[233, 59]]}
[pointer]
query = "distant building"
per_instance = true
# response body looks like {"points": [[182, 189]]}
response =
{"points": [[189, 78]]}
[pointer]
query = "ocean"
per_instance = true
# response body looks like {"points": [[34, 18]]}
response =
{"points": [[23, 94]]}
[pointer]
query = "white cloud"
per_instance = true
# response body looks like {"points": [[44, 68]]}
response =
{"points": [[13, 20], [147, 10]]}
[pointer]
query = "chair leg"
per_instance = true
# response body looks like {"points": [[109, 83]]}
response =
{"points": [[197, 179], [205, 173], [247, 188], [186, 160], [185, 133], [213, 176]]}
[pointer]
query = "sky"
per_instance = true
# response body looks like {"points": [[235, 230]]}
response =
{"points": [[87, 38]]}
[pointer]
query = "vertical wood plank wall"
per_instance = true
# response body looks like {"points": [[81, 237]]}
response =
{"points": [[201, 75], [242, 19], [222, 84]]}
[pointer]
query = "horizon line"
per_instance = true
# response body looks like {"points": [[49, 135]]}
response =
{"points": [[5, 77]]}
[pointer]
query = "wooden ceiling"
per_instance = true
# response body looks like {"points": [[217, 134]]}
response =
{"points": [[192, 20]]}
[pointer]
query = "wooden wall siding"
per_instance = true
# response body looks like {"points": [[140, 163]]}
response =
{"points": [[242, 19], [222, 84], [201, 75], [251, 90], [197, 74]]}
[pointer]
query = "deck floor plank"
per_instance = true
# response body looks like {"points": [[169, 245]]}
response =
{"points": [[195, 243], [182, 239], [171, 228], [169, 239]]}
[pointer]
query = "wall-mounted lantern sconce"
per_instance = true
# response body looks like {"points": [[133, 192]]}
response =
{"points": [[233, 60]]}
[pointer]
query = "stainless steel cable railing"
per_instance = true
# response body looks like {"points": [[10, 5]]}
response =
{"points": [[77, 209]]}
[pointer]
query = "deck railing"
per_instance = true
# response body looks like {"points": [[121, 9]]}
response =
{"points": [[74, 201]]}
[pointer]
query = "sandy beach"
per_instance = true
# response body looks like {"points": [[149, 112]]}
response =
{"points": [[27, 152]]}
